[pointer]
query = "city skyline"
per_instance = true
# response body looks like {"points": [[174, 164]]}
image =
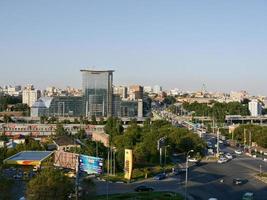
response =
{"points": [[172, 44]]}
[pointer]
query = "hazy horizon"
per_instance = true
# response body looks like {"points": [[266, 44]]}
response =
{"points": [[175, 44]]}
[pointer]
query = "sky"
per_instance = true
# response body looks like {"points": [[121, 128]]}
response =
{"points": [[173, 43]]}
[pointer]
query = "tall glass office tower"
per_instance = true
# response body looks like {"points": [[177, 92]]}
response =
{"points": [[97, 92]]}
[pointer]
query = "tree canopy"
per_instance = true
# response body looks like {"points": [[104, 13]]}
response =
{"points": [[216, 109], [143, 141], [50, 184], [258, 134]]}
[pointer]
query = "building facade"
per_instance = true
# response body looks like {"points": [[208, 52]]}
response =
{"points": [[255, 108], [30, 95], [62, 106], [97, 92]]}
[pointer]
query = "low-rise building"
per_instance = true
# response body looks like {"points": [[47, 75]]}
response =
{"points": [[65, 143]]}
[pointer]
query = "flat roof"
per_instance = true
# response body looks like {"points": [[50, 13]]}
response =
{"points": [[28, 157], [96, 71]]}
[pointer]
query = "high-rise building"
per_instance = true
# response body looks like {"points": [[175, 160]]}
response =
{"points": [[255, 108], [136, 92], [121, 91], [97, 92], [30, 95]]}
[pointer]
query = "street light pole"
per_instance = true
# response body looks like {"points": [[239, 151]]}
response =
{"points": [[186, 174]]}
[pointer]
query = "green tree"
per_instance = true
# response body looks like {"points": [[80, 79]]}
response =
{"points": [[50, 184], [5, 188], [81, 134], [60, 130], [93, 120], [169, 100]]}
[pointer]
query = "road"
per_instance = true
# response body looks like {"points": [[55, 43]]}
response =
{"points": [[204, 181]]}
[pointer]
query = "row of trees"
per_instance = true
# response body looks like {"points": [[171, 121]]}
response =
{"points": [[82, 120], [217, 110], [258, 134], [8, 100], [143, 140]]}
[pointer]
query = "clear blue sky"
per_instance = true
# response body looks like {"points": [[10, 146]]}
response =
{"points": [[172, 43]]}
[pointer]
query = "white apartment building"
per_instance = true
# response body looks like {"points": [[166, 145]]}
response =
{"points": [[255, 108], [157, 89], [30, 95], [122, 91]]}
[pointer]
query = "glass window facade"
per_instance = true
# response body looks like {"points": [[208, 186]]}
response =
{"points": [[97, 93]]}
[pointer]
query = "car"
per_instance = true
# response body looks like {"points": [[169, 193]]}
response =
{"points": [[229, 156], [17, 177], [238, 152], [192, 160], [248, 196], [222, 160], [160, 177], [143, 188], [212, 198], [179, 171], [239, 181], [265, 159]]}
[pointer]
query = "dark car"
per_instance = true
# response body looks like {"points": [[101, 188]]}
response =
{"points": [[144, 188], [239, 181], [179, 171], [160, 177]]}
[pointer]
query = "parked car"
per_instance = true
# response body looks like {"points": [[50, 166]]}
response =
{"points": [[238, 152], [160, 177], [248, 196], [222, 160], [143, 188], [239, 181], [229, 156]]}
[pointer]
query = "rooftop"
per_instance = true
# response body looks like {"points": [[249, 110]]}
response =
{"points": [[96, 71], [64, 141], [28, 157]]}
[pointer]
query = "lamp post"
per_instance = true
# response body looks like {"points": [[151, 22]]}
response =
{"points": [[186, 174], [165, 158]]}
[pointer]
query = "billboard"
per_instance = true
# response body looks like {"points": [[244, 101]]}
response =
{"points": [[65, 159], [91, 165], [128, 164]]}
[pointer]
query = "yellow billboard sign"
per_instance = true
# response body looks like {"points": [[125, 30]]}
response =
{"points": [[128, 164]]}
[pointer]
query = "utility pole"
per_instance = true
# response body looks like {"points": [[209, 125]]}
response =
{"points": [[245, 138], [160, 156], [250, 142], [213, 124], [218, 138], [107, 175], [114, 166]]}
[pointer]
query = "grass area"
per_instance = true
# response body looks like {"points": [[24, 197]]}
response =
{"points": [[143, 196], [140, 173]]}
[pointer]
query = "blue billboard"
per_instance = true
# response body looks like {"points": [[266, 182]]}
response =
{"points": [[91, 165]]}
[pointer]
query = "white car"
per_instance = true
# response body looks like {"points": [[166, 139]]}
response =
{"points": [[238, 152], [192, 160], [222, 160], [229, 156]]}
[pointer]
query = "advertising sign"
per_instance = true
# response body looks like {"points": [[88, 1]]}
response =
{"points": [[128, 164], [91, 165], [66, 159]]}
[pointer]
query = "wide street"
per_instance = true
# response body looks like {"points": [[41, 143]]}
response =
{"points": [[204, 181]]}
